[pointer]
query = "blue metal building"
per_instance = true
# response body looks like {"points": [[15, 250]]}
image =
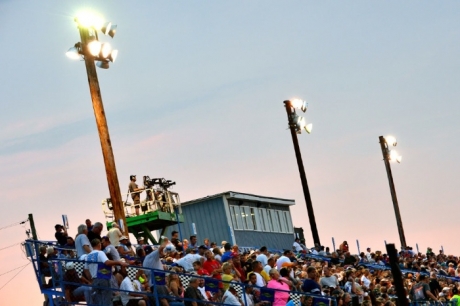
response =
{"points": [[244, 219]]}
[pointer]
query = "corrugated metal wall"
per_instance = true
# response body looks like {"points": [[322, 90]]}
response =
{"points": [[268, 239], [209, 218]]}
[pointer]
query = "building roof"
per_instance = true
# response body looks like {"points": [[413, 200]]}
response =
{"points": [[233, 195]]}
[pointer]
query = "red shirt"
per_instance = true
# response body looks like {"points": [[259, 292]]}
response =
{"points": [[210, 266], [202, 272]]}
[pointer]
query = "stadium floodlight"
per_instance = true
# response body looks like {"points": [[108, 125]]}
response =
{"points": [[98, 54], [296, 125], [392, 155]]}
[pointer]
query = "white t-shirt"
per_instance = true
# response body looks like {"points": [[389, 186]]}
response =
{"points": [[92, 259], [187, 261], [152, 261], [203, 292], [281, 261], [260, 280], [80, 241], [267, 269], [263, 259], [366, 281], [230, 299], [126, 284], [297, 247]]}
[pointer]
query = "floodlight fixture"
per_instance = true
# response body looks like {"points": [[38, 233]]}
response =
{"points": [[102, 64], [73, 53], [299, 104], [113, 56], [308, 128], [106, 49], [391, 141]]}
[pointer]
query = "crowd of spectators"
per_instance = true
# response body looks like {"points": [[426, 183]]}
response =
{"points": [[317, 274]]}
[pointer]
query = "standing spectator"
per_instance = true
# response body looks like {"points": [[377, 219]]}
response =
{"points": [[217, 254], [153, 259], [176, 242], [435, 287], [82, 244], [262, 257], [192, 292], [110, 249], [284, 258], [421, 290], [281, 297], [270, 264], [70, 244], [61, 234], [227, 255], [187, 261], [114, 234], [207, 243], [89, 225], [101, 296], [95, 232], [193, 243], [343, 247], [135, 193], [213, 267]]}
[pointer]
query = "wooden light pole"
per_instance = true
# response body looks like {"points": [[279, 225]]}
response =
{"points": [[303, 177], [386, 160], [101, 122]]}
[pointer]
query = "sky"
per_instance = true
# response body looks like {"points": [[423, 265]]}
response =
{"points": [[196, 96]]}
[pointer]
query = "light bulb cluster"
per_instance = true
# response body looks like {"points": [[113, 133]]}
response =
{"points": [[391, 153], [101, 52], [299, 121]]}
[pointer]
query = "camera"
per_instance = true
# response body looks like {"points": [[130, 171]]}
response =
{"points": [[163, 183]]}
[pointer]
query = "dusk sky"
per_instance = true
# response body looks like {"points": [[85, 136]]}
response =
{"points": [[196, 96]]}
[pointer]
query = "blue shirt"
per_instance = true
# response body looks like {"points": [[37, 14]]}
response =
{"points": [[310, 286], [226, 256]]}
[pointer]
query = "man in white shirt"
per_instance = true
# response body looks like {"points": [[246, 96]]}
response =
{"points": [[231, 297], [101, 274], [262, 257], [284, 258], [132, 298], [153, 260], [296, 246], [270, 264], [114, 234], [187, 261], [82, 243]]}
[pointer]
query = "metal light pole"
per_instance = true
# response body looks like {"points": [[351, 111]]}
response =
{"points": [[88, 35], [386, 159], [293, 126]]}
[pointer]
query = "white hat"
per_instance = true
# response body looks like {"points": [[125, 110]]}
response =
{"points": [[70, 265], [123, 238]]}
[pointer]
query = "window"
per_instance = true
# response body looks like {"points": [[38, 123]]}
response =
{"points": [[281, 221], [263, 219], [287, 217], [272, 222], [260, 219], [254, 218], [236, 217]]}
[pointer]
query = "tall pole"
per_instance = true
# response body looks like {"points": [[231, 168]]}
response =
{"points": [[303, 177], [386, 160], [32, 227], [397, 275], [101, 122]]}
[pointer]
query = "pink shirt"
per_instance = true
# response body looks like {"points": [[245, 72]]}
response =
{"points": [[281, 297]]}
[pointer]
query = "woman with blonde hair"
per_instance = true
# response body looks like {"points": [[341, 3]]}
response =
{"points": [[174, 283]]}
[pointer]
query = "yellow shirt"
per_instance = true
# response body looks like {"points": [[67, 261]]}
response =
{"points": [[227, 278], [265, 276]]}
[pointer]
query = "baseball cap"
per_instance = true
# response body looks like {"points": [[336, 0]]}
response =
{"points": [[70, 265], [170, 248], [123, 238]]}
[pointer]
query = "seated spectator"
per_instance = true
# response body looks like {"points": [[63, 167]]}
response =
{"points": [[217, 254], [73, 289], [231, 297], [70, 243], [207, 243], [310, 285], [109, 248], [228, 254], [193, 243], [174, 283], [228, 275], [198, 268], [123, 248], [192, 292], [133, 297]]}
